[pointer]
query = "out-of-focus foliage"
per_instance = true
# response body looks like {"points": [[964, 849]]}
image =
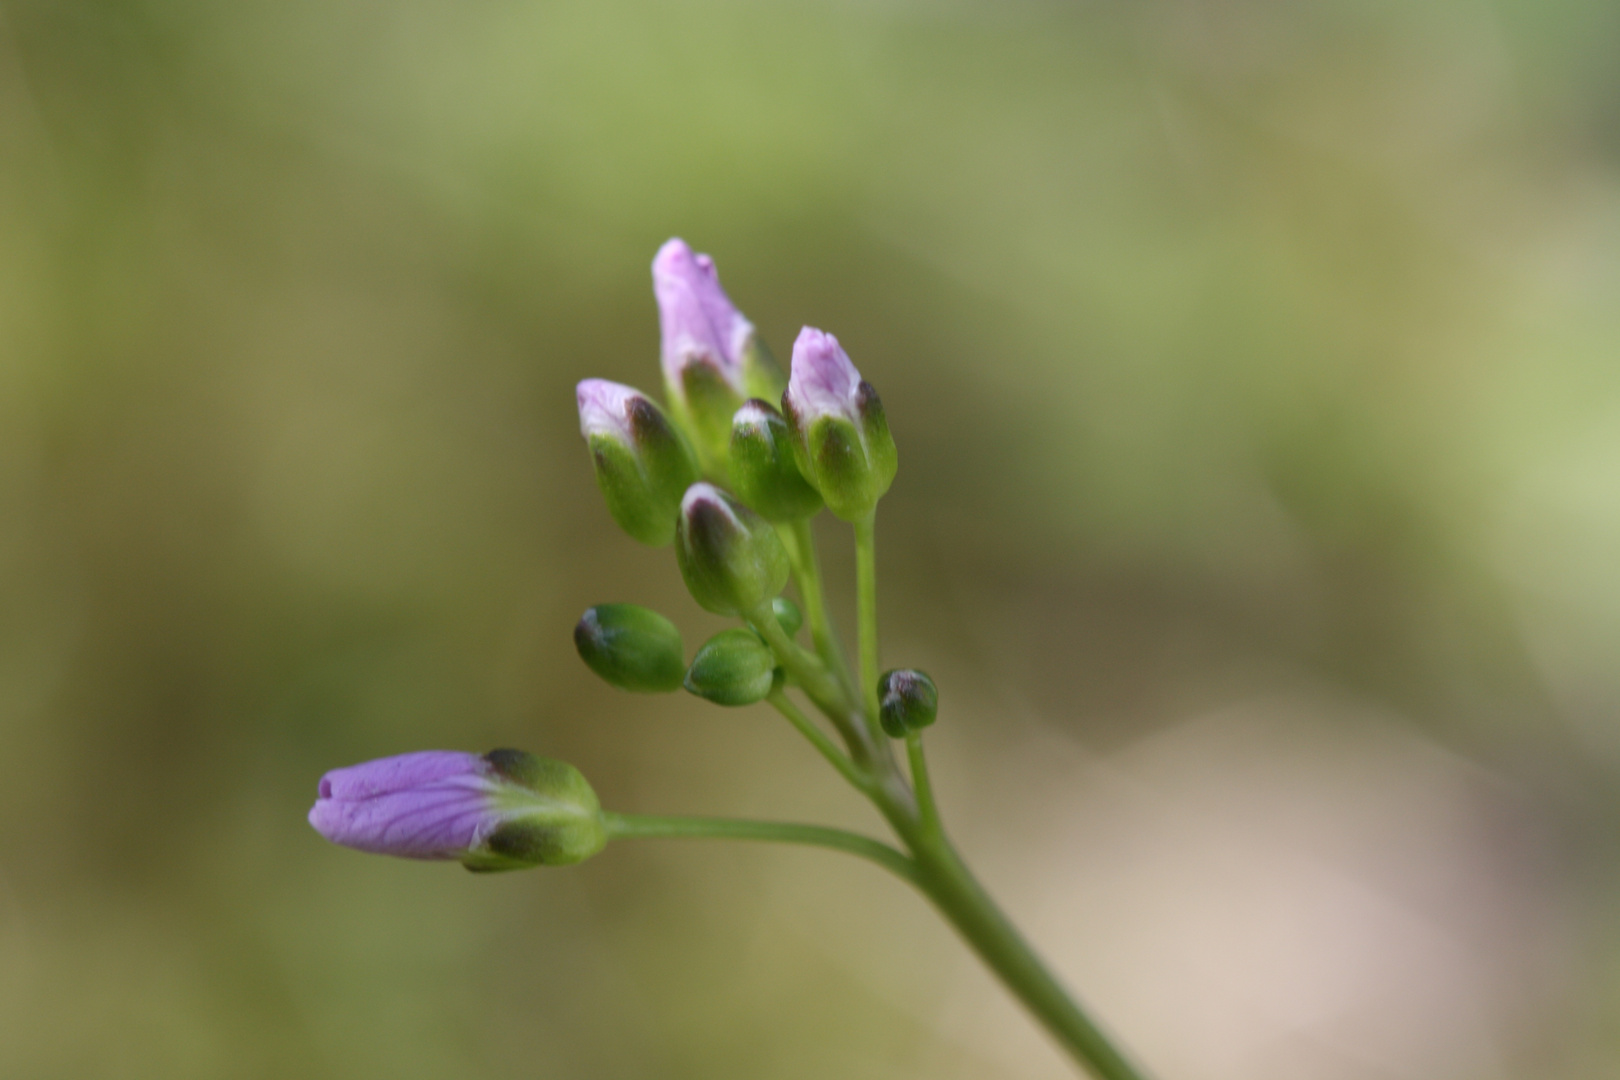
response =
{"points": [[1255, 369]]}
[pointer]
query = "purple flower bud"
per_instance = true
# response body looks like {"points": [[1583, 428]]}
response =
{"points": [[501, 811], [823, 381], [841, 439], [698, 319], [712, 358], [604, 408]]}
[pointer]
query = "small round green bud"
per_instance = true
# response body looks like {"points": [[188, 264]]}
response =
{"points": [[762, 465], [643, 464], [907, 701], [733, 668], [631, 647], [731, 558], [788, 614]]}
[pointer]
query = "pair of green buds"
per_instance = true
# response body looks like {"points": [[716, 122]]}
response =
{"points": [[635, 648]]}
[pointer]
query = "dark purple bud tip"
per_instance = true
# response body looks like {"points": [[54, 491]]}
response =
{"points": [[908, 701]]}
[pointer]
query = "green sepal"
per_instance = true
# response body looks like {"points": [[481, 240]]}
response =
{"points": [[552, 816], [631, 647], [762, 376], [852, 467], [704, 404]]}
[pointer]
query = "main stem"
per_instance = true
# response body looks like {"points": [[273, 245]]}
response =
{"points": [[946, 880], [934, 867]]}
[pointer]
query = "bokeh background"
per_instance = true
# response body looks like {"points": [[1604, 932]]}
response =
{"points": [[1255, 369]]}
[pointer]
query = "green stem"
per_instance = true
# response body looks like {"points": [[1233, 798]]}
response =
{"points": [[866, 598], [828, 691], [807, 572], [939, 873], [643, 826], [946, 880], [934, 866], [926, 807], [818, 738], [810, 673]]}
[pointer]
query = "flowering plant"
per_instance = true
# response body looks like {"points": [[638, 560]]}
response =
{"points": [[732, 483]]}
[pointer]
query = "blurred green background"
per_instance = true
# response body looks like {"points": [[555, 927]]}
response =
{"points": [[1255, 369]]}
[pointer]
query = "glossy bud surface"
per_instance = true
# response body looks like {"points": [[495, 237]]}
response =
{"points": [[631, 647], [730, 558], [733, 668], [908, 701]]}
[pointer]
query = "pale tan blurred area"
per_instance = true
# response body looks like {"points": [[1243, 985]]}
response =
{"points": [[1255, 369]]}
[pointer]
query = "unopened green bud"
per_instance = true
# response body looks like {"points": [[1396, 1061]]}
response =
{"points": [[631, 647], [841, 438], [643, 464], [907, 701], [734, 667], [763, 468], [731, 558], [788, 615]]}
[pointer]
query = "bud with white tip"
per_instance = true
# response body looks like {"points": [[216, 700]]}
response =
{"points": [[731, 559], [643, 463], [763, 469]]}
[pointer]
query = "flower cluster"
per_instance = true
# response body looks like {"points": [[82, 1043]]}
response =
{"points": [[771, 453], [730, 472], [724, 475], [829, 443]]}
